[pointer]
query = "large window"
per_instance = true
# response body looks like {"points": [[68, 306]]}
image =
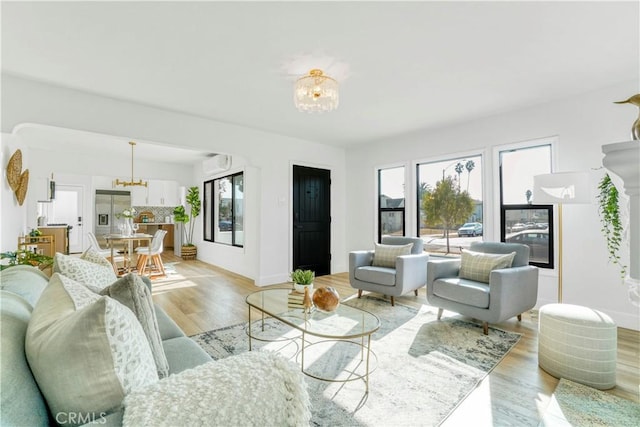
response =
{"points": [[224, 210], [391, 202], [450, 210], [523, 221]]}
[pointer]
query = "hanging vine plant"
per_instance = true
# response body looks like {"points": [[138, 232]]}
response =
{"points": [[612, 228]]}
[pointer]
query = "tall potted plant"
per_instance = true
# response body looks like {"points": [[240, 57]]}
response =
{"points": [[187, 220]]}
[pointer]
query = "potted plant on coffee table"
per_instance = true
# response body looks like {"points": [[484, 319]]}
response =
{"points": [[302, 279], [187, 220]]}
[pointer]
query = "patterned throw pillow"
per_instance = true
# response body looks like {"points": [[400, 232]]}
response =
{"points": [[85, 351], [95, 257], [94, 275], [478, 265], [385, 255], [131, 292]]}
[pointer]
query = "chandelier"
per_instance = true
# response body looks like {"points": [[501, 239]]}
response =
{"points": [[132, 182], [315, 92]]}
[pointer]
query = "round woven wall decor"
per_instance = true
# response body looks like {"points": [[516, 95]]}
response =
{"points": [[14, 168], [21, 192]]}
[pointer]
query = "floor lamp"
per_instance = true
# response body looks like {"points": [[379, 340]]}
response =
{"points": [[561, 188]]}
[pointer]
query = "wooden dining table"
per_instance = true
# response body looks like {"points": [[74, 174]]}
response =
{"points": [[129, 265]]}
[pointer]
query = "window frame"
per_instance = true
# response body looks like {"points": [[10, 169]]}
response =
{"points": [[503, 208], [382, 211], [207, 221], [212, 219], [479, 157], [503, 230]]}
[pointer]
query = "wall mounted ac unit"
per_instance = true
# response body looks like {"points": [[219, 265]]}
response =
{"points": [[215, 164]]}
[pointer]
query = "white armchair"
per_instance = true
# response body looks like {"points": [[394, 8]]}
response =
{"points": [[409, 272], [509, 291]]}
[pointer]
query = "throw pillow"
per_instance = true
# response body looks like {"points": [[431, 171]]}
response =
{"points": [[94, 275], [134, 294], [95, 257], [86, 352], [255, 388], [478, 265], [385, 255]]}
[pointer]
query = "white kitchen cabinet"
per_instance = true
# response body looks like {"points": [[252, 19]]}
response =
{"points": [[138, 195], [157, 193], [171, 197], [162, 193]]}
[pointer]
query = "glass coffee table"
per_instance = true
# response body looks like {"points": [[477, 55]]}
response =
{"points": [[345, 325]]}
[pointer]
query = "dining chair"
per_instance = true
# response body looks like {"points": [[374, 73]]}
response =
{"points": [[151, 253], [93, 243]]}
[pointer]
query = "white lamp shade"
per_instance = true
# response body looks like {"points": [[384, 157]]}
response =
{"points": [[562, 187]]}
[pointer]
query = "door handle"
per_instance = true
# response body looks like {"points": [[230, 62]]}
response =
{"points": [[298, 226]]}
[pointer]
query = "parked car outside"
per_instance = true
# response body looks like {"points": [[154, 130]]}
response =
{"points": [[224, 225], [470, 229], [518, 227], [537, 240]]}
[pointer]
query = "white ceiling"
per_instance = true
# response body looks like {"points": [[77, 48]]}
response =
{"points": [[403, 66]]}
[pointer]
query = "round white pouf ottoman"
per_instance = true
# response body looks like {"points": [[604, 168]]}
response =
{"points": [[579, 344]]}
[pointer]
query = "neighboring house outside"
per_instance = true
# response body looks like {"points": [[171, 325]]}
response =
{"points": [[392, 221]]}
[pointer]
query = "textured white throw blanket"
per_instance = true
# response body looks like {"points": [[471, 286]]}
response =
{"points": [[251, 389]]}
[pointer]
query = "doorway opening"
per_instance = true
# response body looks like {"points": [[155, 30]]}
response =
{"points": [[67, 208]]}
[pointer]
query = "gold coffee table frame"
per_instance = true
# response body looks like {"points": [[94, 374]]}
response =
{"points": [[345, 324]]}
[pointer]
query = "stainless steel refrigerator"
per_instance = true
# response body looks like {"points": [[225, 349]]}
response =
{"points": [[109, 203]]}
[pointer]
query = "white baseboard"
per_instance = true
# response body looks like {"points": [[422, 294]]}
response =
{"points": [[273, 279]]}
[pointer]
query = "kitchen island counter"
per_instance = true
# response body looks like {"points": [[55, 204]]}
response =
{"points": [[152, 227], [61, 235]]}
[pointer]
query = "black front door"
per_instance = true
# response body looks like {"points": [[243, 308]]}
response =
{"points": [[312, 219]]}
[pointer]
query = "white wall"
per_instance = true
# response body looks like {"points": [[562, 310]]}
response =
{"points": [[12, 216], [267, 159], [268, 207], [582, 125]]}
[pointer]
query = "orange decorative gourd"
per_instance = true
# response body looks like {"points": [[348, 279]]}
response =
{"points": [[326, 298]]}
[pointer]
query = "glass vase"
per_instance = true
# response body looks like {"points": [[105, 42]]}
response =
{"points": [[127, 229]]}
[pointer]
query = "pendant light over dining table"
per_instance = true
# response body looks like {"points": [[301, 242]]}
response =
{"points": [[316, 92], [132, 182]]}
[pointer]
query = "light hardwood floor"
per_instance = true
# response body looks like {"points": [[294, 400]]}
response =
{"points": [[202, 297]]}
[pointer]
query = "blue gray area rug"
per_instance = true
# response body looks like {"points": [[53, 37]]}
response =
{"points": [[422, 369], [574, 404]]}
